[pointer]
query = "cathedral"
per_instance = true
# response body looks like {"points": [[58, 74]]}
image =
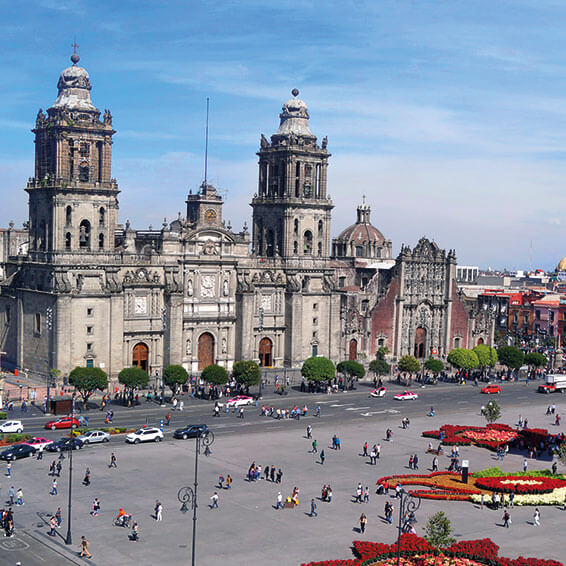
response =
{"points": [[80, 289]]}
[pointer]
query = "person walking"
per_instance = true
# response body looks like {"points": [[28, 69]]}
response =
{"points": [[84, 547], [53, 525], [52, 468], [40, 452], [435, 464], [363, 523], [135, 532], [59, 517], [279, 475], [536, 518], [511, 498], [322, 457], [313, 509], [329, 494], [309, 431], [86, 480], [228, 481], [9, 469], [506, 519], [314, 446], [11, 494], [279, 501], [365, 449], [415, 462], [158, 511], [113, 463], [214, 500], [525, 465], [53, 487], [241, 413], [20, 496], [95, 507], [59, 466], [366, 494]]}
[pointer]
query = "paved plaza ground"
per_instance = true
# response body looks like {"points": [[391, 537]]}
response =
{"points": [[246, 529]]}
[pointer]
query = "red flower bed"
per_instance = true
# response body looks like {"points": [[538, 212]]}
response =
{"points": [[523, 485], [484, 551]]}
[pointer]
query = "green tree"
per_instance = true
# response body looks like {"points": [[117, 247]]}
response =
{"points": [[461, 358], [382, 351], [174, 376], [352, 370], [87, 380], [318, 369], [561, 454], [439, 530], [409, 364], [511, 357], [246, 373], [536, 360], [215, 374], [487, 356], [491, 412], [434, 365], [380, 367], [133, 378]]}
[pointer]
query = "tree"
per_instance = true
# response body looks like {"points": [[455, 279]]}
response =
{"points": [[382, 351], [438, 530], [246, 373], [173, 376], [318, 369], [461, 358], [380, 367], [434, 365], [87, 380], [133, 378], [511, 357], [491, 412], [561, 454], [351, 369], [215, 374], [409, 364], [487, 356], [536, 360]]}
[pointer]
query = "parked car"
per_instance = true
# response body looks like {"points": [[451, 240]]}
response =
{"points": [[65, 443], [145, 435], [379, 392], [406, 396], [190, 431], [94, 436], [38, 442], [491, 388], [17, 451], [63, 422], [240, 401], [12, 426]]}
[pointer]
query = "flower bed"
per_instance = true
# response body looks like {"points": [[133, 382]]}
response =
{"points": [[14, 438], [556, 497], [524, 485], [416, 551], [444, 485]]}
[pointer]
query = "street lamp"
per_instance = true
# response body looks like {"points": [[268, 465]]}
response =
{"points": [[407, 507], [187, 495], [69, 539]]}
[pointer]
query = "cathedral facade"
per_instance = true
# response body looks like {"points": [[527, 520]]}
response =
{"points": [[78, 288]]}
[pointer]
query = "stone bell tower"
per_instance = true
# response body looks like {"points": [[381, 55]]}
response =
{"points": [[73, 203], [291, 210]]}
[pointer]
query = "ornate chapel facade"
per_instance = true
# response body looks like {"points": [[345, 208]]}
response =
{"points": [[78, 288]]}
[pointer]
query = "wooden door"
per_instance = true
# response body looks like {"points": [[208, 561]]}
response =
{"points": [[140, 355], [205, 350], [353, 351], [265, 352], [420, 342]]}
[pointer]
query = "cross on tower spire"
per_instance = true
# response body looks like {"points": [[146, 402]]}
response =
{"points": [[75, 56]]}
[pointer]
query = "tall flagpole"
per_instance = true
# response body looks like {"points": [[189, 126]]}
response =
{"points": [[206, 147]]}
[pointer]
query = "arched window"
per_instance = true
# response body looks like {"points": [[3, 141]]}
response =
{"points": [[101, 216], [83, 172], [297, 180], [320, 227], [307, 243], [270, 248], [84, 235], [68, 241], [295, 247], [420, 342], [101, 241], [296, 224], [68, 216]]}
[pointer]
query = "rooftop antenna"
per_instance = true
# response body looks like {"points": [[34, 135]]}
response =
{"points": [[206, 147]]}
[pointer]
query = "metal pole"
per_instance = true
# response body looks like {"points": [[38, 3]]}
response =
{"points": [[195, 505], [399, 532], [69, 539]]}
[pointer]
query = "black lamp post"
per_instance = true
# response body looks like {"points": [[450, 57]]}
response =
{"points": [[187, 495], [407, 507], [69, 538]]}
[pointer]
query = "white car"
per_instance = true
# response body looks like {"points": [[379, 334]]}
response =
{"points": [[12, 426], [145, 435], [93, 436], [379, 392], [406, 396], [240, 401]]}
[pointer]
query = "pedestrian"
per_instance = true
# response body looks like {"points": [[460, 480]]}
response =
{"points": [[279, 475], [415, 462], [181, 405], [378, 450], [221, 481], [314, 446], [113, 463], [536, 518], [158, 511], [11, 494], [525, 465], [309, 431], [511, 498], [20, 496], [481, 501], [338, 444], [59, 517], [389, 512], [359, 493], [279, 501], [86, 480], [313, 509], [363, 523], [214, 500], [317, 414], [9, 469], [228, 482], [272, 474], [40, 452], [411, 462], [52, 468], [366, 494], [53, 487], [135, 532], [241, 413], [322, 457], [53, 525], [435, 464], [168, 419], [329, 494], [59, 466], [95, 507], [506, 519], [84, 547], [365, 449]]}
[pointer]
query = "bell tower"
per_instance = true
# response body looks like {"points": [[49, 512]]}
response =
{"points": [[73, 203], [291, 210]]}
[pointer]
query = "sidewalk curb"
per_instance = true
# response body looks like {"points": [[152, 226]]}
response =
{"points": [[57, 547]]}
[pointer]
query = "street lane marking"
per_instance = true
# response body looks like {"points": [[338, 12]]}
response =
{"points": [[341, 404], [356, 408]]}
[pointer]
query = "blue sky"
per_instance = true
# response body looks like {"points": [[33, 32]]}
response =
{"points": [[450, 116]]}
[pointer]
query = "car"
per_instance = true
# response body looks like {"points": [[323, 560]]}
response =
{"points": [[240, 401], [38, 442], [379, 392], [406, 396], [12, 426], [63, 422], [94, 436], [491, 388], [17, 451], [190, 431], [145, 435], [65, 443]]}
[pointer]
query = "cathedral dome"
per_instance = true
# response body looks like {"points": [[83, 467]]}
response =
{"points": [[561, 265], [295, 117], [74, 88]]}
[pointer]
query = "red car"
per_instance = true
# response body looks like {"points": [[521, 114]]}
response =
{"points": [[489, 389], [64, 422], [38, 442]]}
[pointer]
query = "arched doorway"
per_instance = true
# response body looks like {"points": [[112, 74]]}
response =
{"points": [[420, 342], [480, 341], [353, 350], [205, 350], [140, 355], [265, 352]]}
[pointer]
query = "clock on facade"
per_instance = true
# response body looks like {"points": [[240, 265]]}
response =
{"points": [[210, 215], [140, 305]]}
